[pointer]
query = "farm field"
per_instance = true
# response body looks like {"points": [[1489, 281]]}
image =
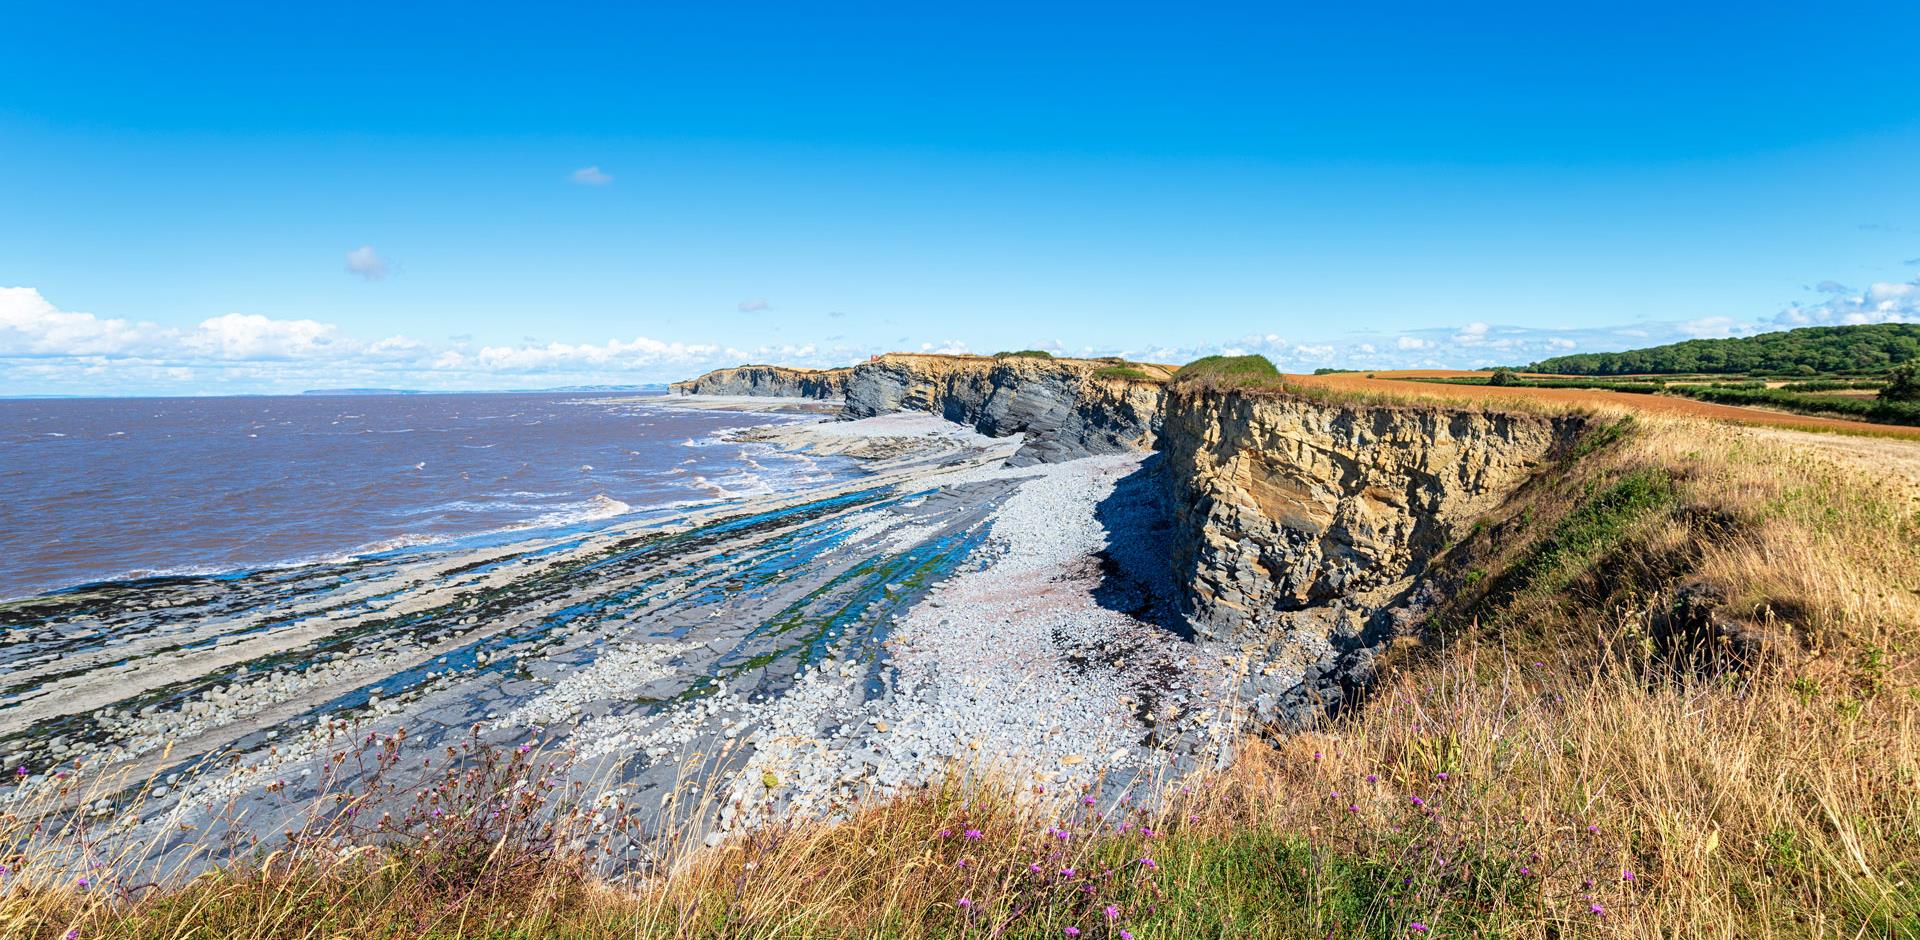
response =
{"points": [[1410, 382]]}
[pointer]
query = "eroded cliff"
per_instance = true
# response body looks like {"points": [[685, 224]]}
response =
{"points": [[1066, 408], [1302, 526], [771, 381]]}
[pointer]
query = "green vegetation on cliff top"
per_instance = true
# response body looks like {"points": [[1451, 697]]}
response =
{"points": [[1230, 372]]}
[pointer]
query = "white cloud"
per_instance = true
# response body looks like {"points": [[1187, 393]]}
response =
{"points": [[590, 176], [1473, 334], [754, 306], [1413, 342], [1713, 327], [639, 351], [252, 336], [31, 326], [367, 263]]}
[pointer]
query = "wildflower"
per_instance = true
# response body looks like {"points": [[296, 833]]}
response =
{"points": [[73, 934], [1626, 876], [1373, 778], [962, 863], [85, 882], [19, 771], [1597, 910], [1351, 808], [1035, 868], [973, 835], [1441, 776], [1594, 828], [1418, 801], [1149, 864], [946, 833], [1089, 801], [1073, 931], [1113, 913], [1066, 873], [1126, 935], [1316, 755], [963, 904], [525, 748], [1526, 872], [1417, 927], [1193, 817]]}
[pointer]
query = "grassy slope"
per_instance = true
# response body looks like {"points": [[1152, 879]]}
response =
{"points": [[1756, 771]]}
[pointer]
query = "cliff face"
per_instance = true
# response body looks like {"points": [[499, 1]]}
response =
{"points": [[772, 381], [1301, 526], [1067, 408]]}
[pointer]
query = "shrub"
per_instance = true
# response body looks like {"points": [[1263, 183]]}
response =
{"points": [[1024, 354], [1253, 371], [1504, 376], [1903, 383]]}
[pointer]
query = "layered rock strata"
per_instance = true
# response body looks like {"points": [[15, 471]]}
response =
{"points": [[1301, 527], [1066, 408], [771, 381]]}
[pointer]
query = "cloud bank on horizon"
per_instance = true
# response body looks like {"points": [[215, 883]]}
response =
{"points": [[45, 349]]}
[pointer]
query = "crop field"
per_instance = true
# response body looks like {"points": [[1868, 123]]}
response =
{"points": [[1419, 383]]}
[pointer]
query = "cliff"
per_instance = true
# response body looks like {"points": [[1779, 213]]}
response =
{"points": [[1301, 526], [1066, 408], [772, 381]]}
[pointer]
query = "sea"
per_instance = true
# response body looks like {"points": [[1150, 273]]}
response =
{"points": [[106, 489]]}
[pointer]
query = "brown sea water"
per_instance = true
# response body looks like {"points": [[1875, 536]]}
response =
{"points": [[104, 489]]}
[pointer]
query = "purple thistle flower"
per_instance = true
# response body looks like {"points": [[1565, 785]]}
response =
{"points": [[1417, 927], [946, 833], [19, 771], [963, 904], [1626, 876], [85, 882], [1149, 864], [1373, 778], [1035, 868], [1442, 776], [1351, 808], [1113, 913], [1066, 873], [1089, 801], [1126, 935], [972, 835], [1597, 910], [1073, 931], [1418, 801]]}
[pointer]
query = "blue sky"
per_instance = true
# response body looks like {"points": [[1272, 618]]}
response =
{"points": [[266, 197]]}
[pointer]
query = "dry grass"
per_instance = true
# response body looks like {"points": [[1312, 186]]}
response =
{"points": [[1557, 733]]}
